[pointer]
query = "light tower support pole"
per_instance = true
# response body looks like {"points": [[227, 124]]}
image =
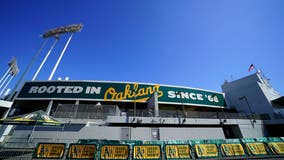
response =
{"points": [[60, 57], [45, 58], [5, 74], [25, 72], [4, 81], [6, 85]]}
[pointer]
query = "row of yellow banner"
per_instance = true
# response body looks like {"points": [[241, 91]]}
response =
{"points": [[172, 151]]}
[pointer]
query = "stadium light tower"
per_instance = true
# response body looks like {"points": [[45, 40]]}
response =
{"points": [[56, 34], [10, 73], [62, 30], [51, 33]]}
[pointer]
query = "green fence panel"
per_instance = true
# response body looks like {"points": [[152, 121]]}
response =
{"points": [[261, 139], [246, 140], [131, 143], [274, 139], [176, 142], [215, 141], [88, 141], [232, 141]]}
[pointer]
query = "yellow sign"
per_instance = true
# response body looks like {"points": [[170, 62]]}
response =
{"points": [[50, 150], [81, 151], [256, 148], [130, 93], [234, 149], [147, 152], [277, 147], [114, 152], [206, 150], [177, 151]]}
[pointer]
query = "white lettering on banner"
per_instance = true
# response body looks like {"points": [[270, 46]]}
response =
{"points": [[51, 89], [58, 89], [33, 89], [68, 89], [92, 90], [77, 89], [192, 96], [42, 89], [199, 97], [211, 99], [185, 95], [171, 94]]}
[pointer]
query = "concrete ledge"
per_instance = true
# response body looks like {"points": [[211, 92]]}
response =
{"points": [[175, 121], [6, 104]]}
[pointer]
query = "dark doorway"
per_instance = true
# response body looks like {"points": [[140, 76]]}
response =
{"points": [[275, 130], [232, 131]]}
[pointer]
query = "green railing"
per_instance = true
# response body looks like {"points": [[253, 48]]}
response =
{"points": [[245, 148]]}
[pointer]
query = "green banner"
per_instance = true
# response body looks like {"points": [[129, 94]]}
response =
{"points": [[114, 91]]}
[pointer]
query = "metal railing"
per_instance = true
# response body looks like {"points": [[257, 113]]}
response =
{"points": [[91, 111], [84, 111], [198, 114]]}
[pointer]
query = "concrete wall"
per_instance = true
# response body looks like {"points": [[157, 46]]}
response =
{"points": [[91, 132], [113, 133], [256, 90], [191, 133], [72, 132], [141, 134], [252, 132]]}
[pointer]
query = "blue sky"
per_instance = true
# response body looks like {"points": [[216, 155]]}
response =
{"points": [[197, 43]]}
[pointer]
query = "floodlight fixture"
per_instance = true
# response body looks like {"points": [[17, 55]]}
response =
{"points": [[62, 30], [14, 69]]}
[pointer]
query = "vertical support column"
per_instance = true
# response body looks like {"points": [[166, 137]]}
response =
{"points": [[60, 57], [5, 74], [45, 58], [48, 110], [156, 109], [11, 97], [5, 115], [4, 81], [153, 106], [6, 85]]}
